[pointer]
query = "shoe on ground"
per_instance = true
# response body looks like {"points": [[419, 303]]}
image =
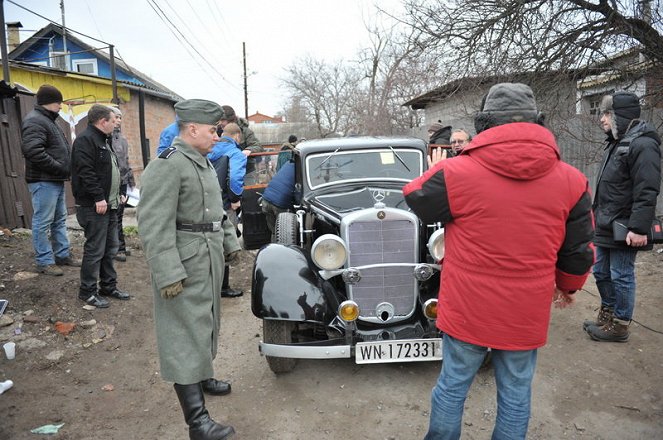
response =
{"points": [[115, 293], [120, 256], [605, 316], [231, 293], [95, 300], [127, 253], [614, 331], [68, 261], [216, 387], [50, 269]]}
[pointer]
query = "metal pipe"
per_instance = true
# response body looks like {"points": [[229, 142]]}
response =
{"points": [[3, 43]]}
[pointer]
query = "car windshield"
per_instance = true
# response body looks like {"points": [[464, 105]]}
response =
{"points": [[375, 164]]}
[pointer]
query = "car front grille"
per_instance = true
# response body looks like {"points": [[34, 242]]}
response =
{"points": [[372, 241]]}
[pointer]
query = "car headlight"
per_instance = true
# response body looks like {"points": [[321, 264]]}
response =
{"points": [[348, 311], [436, 245], [329, 252]]}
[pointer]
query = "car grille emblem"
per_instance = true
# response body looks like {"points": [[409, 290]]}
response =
{"points": [[381, 215]]}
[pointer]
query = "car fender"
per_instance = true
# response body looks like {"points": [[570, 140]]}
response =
{"points": [[286, 285]]}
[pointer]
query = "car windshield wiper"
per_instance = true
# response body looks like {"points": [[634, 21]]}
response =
{"points": [[327, 158], [399, 157]]}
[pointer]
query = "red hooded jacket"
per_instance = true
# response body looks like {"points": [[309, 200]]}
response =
{"points": [[518, 222]]}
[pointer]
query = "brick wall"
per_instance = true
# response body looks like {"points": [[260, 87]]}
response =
{"points": [[158, 114]]}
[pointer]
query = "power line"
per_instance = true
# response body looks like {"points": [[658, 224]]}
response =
{"points": [[149, 2], [184, 23], [165, 16], [57, 24]]}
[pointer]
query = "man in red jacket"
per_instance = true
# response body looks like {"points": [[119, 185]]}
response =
{"points": [[518, 230]]}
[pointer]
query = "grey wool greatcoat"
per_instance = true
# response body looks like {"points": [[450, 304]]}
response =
{"points": [[184, 188]]}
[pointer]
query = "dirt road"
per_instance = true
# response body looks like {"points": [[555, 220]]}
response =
{"points": [[582, 389]]}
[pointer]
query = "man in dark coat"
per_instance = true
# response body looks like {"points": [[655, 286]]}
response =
{"points": [[121, 149], [185, 234], [47, 166], [96, 187], [626, 191], [248, 144]]}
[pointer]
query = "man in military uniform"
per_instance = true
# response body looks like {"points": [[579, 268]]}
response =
{"points": [[185, 235]]}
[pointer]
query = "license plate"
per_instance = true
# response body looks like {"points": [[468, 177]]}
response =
{"points": [[410, 350]]}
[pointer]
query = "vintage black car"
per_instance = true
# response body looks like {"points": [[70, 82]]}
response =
{"points": [[351, 272]]}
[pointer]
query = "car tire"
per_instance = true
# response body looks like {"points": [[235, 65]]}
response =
{"points": [[286, 228], [278, 332]]}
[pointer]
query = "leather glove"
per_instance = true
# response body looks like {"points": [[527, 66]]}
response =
{"points": [[172, 290], [232, 257]]}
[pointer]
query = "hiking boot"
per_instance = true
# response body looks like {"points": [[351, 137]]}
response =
{"points": [[614, 331], [50, 269], [68, 261], [120, 256], [605, 316]]}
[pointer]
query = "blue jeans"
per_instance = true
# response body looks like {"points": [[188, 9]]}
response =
{"points": [[614, 272], [513, 376], [49, 215]]}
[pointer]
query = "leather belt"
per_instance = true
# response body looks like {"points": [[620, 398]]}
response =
{"points": [[199, 227]]}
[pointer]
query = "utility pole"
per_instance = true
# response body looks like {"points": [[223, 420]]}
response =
{"points": [[3, 43], [246, 90], [64, 38]]}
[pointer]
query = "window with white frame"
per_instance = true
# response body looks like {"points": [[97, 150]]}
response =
{"points": [[85, 66]]}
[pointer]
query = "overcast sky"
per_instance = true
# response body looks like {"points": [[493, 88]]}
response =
{"points": [[276, 33]]}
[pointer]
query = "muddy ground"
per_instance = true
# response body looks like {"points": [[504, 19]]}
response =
{"points": [[102, 380]]}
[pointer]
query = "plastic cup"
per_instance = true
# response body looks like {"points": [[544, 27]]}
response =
{"points": [[10, 350]]}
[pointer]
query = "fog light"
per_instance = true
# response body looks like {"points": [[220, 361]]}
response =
{"points": [[430, 308], [422, 272], [351, 276], [348, 311]]}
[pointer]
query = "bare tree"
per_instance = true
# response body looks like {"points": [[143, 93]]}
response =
{"points": [[327, 92], [396, 69], [502, 36]]}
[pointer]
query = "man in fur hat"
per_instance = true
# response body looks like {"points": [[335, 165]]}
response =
{"points": [[626, 192]]}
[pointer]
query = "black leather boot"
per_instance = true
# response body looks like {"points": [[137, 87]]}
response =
{"points": [[215, 387], [201, 425], [226, 290]]}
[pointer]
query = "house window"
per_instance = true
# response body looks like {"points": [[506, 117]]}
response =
{"points": [[85, 66], [594, 105], [58, 60]]}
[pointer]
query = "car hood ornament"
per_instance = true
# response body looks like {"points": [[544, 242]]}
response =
{"points": [[379, 196]]}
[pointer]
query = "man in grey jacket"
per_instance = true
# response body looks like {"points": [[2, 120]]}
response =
{"points": [[47, 166]]}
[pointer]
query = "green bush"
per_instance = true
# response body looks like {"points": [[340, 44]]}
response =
{"points": [[130, 231]]}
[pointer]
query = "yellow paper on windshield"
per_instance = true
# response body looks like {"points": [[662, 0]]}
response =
{"points": [[387, 158]]}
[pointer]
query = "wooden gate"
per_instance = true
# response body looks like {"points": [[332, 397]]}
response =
{"points": [[15, 201]]}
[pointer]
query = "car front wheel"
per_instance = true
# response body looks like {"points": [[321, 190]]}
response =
{"points": [[279, 332]]}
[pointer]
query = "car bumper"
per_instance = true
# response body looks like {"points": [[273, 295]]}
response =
{"points": [[305, 351]]}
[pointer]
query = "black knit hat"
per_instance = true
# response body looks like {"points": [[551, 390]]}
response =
{"points": [[48, 94], [506, 103], [625, 107], [228, 113]]}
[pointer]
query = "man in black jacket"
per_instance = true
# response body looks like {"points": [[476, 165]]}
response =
{"points": [[47, 167], [96, 186], [626, 191]]}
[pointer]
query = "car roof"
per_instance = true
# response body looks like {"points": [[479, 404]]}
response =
{"points": [[358, 143]]}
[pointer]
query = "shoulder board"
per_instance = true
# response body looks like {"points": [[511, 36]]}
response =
{"points": [[165, 154]]}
